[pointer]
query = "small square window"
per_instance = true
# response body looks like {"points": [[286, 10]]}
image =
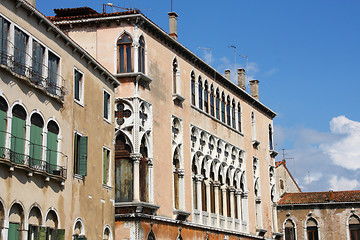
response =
{"points": [[78, 86], [106, 113]]}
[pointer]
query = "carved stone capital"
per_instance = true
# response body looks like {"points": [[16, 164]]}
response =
{"points": [[181, 173], [150, 162], [238, 192], [216, 184], [136, 157], [199, 178]]}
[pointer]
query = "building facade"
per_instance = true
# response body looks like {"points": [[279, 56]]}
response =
{"points": [[56, 132], [285, 183], [320, 215], [194, 153]]}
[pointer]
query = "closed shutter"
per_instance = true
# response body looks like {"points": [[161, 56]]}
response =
{"points": [[13, 232], [52, 74], [51, 154], [18, 139], [2, 132], [83, 145], [37, 62], [60, 234], [4, 27], [105, 166], [35, 144], [42, 233]]}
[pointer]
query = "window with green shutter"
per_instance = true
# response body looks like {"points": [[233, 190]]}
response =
{"points": [[36, 130], [13, 232], [80, 154], [4, 31], [106, 162], [21, 40], [53, 64], [18, 134], [37, 62], [52, 146], [3, 124]]}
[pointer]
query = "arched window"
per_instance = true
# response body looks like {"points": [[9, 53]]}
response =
{"points": [[36, 132], [79, 230], [200, 93], [206, 97], [52, 145], [3, 124], [16, 221], [233, 114], [195, 193], [223, 108], [107, 233], [203, 188], [212, 188], [228, 196], [123, 171], [212, 112], [151, 235], [125, 53], [35, 221], [193, 88], [228, 119], [176, 167], [270, 137], [289, 230], [253, 126], [354, 227], [220, 192], [239, 117], [141, 51], [144, 172], [217, 104], [175, 71], [18, 130], [52, 225], [312, 229]]}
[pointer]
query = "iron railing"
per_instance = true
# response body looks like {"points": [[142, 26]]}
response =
{"points": [[27, 160], [40, 76]]}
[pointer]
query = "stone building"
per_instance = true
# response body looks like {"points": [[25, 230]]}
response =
{"points": [[328, 215], [194, 155], [285, 183], [56, 132]]}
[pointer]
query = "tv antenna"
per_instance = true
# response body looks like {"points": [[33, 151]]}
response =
{"points": [[285, 158], [247, 61], [105, 5]]}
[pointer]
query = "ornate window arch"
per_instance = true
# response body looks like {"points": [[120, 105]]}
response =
{"points": [[4, 107], [206, 97], [200, 87], [289, 229], [312, 231], [354, 227], [125, 54], [193, 94], [212, 111]]}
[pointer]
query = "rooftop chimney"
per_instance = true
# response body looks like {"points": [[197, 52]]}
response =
{"points": [[227, 74], [241, 78], [254, 89], [173, 25]]}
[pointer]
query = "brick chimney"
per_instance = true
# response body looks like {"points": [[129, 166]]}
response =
{"points": [[227, 74], [32, 3], [254, 89], [241, 78], [173, 25]]}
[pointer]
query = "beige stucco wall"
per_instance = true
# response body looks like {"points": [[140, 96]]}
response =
{"points": [[289, 184], [159, 94], [332, 219], [77, 198]]}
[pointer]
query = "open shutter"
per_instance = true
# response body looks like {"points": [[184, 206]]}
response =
{"points": [[42, 233], [51, 154], [60, 234], [83, 145], [2, 131], [13, 232]]}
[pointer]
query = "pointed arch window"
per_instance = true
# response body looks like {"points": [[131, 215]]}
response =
{"points": [[206, 97], [141, 57], [233, 114], [217, 104], [312, 229], [354, 227], [212, 112], [239, 117], [176, 167], [200, 93], [289, 230], [253, 126], [18, 129], [52, 145], [125, 53], [151, 235], [176, 77], [223, 108], [228, 119], [270, 137], [193, 102]]}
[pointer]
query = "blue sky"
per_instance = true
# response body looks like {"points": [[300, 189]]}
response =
{"points": [[305, 54]]}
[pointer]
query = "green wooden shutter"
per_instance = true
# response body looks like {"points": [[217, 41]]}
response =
{"points": [[13, 232], [82, 161], [42, 233], [58, 234], [51, 154], [2, 132], [81, 238], [35, 144], [18, 138]]}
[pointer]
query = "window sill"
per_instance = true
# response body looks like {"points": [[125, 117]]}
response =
{"points": [[107, 120], [177, 97], [255, 143], [217, 120], [273, 153], [81, 103], [78, 176], [107, 187]]}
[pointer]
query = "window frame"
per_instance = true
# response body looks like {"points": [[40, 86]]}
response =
{"points": [[77, 172], [109, 109], [124, 62], [79, 101], [108, 180]]}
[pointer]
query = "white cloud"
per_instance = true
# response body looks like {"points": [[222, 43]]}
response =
{"points": [[312, 177], [345, 151], [271, 72], [343, 183]]}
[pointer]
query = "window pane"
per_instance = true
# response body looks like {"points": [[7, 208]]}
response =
{"points": [[128, 58], [52, 74]]}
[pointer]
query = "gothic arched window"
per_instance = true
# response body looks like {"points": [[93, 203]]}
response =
{"points": [[141, 57], [125, 54]]}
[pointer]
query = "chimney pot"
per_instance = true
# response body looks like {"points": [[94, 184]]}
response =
{"points": [[227, 74], [241, 78], [173, 25], [254, 89]]}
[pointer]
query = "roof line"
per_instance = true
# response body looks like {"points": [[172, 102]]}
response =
{"points": [[67, 38]]}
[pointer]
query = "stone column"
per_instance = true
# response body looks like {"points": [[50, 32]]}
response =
{"points": [[217, 200], [181, 174], [245, 210], [208, 196], [223, 189], [150, 163], [238, 202], [136, 162], [199, 179]]}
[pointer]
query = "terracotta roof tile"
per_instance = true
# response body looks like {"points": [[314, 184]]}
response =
{"points": [[320, 197]]}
